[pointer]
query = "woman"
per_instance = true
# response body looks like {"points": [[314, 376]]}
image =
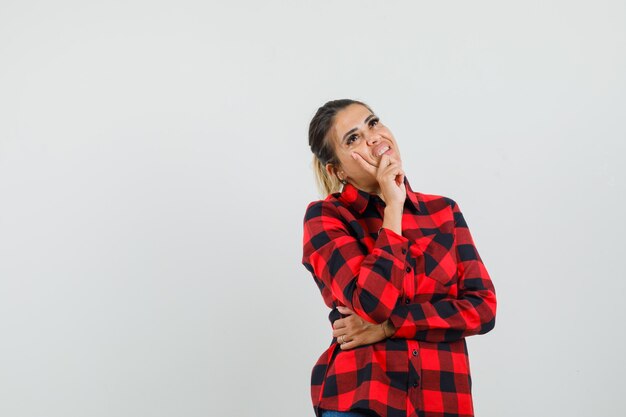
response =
{"points": [[400, 272]]}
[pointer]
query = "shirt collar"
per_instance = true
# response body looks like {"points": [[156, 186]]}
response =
{"points": [[359, 199]]}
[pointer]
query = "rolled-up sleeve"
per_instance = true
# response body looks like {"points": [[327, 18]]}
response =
{"points": [[365, 277]]}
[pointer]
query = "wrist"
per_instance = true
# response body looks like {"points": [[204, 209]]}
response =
{"points": [[394, 207], [389, 329], [392, 219]]}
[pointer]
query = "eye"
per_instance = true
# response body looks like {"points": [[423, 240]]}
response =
{"points": [[374, 121], [351, 139]]}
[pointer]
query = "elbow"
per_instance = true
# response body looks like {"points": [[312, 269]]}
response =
{"points": [[481, 317], [367, 305], [371, 309], [489, 318], [488, 326]]}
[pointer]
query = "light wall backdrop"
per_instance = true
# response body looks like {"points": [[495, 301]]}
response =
{"points": [[155, 169]]}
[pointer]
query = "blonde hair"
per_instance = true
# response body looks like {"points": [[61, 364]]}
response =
{"points": [[326, 184]]}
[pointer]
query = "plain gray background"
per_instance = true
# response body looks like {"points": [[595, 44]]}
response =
{"points": [[154, 172]]}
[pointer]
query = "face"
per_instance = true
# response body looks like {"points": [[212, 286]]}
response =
{"points": [[357, 130]]}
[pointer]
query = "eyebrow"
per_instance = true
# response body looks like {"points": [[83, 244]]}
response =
{"points": [[354, 129]]}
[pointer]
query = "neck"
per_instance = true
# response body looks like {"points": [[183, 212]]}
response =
{"points": [[370, 188]]}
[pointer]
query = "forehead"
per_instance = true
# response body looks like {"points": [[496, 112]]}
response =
{"points": [[348, 118]]}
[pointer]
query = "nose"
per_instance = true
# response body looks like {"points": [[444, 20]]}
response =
{"points": [[373, 139]]}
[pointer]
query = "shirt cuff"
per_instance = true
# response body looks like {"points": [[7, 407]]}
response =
{"points": [[400, 319], [393, 243]]}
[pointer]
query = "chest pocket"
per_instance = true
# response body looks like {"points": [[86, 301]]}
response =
{"points": [[440, 261]]}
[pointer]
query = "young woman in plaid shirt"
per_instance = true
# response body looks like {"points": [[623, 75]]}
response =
{"points": [[399, 271]]}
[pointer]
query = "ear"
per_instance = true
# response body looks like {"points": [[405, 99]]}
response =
{"points": [[330, 169]]}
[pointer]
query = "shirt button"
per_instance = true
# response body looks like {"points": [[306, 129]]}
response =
{"points": [[414, 384], [407, 300], [414, 352], [408, 269], [403, 251]]}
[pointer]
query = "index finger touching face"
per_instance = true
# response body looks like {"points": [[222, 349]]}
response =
{"points": [[361, 161]]}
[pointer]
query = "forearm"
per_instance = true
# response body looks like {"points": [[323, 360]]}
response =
{"points": [[392, 218], [445, 320], [364, 275]]}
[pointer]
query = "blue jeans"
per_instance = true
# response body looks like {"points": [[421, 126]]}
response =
{"points": [[332, 413]]}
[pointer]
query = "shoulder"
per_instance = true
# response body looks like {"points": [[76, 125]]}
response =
{"points": [[444, 208], [435, 202], [323, 221], [330, 206]]}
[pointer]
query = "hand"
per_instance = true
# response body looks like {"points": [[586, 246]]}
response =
{"points": [[355, 331], [390, 177]]}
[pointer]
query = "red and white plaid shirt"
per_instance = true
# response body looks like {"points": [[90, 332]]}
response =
{"points": [[430, 282]]}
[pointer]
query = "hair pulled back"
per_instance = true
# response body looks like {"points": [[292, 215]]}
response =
{"points": [[321, 146]]}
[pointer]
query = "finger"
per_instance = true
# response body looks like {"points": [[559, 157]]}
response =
{"points": [[394, 165], [384, 161], [391, 173], [364, 164], [390, 159], [393, 159], [353, 321], [349, 345], [400, 179], [388, 165], [339, 324], [339, 332], [394, 172], [344, 310]]}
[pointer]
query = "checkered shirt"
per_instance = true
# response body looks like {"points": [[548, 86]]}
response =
{"points": [[430, 282]]}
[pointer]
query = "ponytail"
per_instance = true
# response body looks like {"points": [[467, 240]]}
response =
{"points": [[326, 184]]}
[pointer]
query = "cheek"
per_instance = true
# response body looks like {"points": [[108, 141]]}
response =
{"points": [[387, 133], [355, 170], [349, 166]]}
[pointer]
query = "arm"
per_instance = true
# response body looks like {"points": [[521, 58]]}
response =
{"points": [[368, 280], [472, 312]]}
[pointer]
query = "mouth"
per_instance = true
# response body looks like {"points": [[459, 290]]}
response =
{"points": [[382, 150], [377, 153]]}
